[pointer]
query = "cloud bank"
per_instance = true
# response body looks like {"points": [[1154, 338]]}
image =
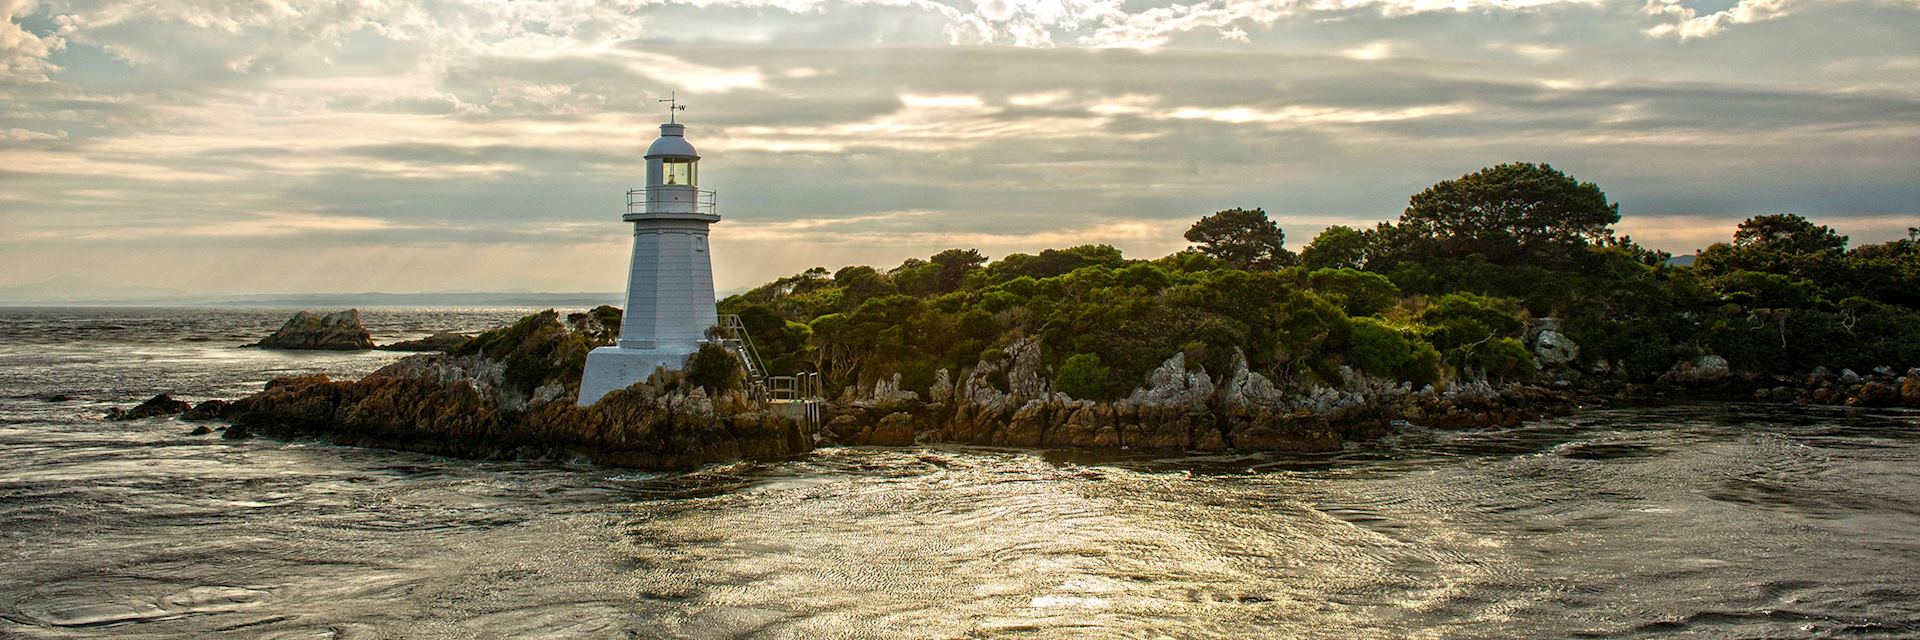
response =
{"points": [[358, 144]]}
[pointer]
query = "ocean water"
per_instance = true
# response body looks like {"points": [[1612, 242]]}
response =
{"points": [[1709, 520]]}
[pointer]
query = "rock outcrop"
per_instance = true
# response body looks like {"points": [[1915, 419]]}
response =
{"points": [[1008, 401], [508, 394], [1707, 369], [1554, 349], [440, 342], [1881, 388], [338, 331], [160, 405], [207, 410]]}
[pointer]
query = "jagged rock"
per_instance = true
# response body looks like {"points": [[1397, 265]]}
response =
{"points": [[1910, 388], [1554, 349], [1171, 386], [1245, 391], [895, 430], [1028, 426], [160, 405], [338, 331], [439, 342], [942, 390], [1847, 376], [1874, 394], [1025, 380], [888, 397], [844, 428], [1705, 369]]}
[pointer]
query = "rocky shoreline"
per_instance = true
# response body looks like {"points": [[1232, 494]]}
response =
{"points": [[509, 394], [1177, 409]]}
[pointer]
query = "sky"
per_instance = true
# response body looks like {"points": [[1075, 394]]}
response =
{"points": [[298, 146]]}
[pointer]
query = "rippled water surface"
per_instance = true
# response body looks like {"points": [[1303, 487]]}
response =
{"points": [[1705, 520]]}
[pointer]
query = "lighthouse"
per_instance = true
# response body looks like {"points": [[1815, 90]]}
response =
{"points": [[670, 303]]}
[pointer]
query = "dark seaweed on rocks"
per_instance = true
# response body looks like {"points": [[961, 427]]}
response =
{"points": [[439, 342]]}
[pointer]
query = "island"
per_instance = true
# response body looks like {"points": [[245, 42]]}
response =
{"points": [[1497, 297]]}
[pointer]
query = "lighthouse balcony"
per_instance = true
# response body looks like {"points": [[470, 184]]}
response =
{"points": [[671, 199]]}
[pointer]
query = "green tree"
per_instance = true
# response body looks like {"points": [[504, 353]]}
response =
{"points": [[1510, 214], [1784, 244], [1888, 272], [1242, 238], [1337, 247]]}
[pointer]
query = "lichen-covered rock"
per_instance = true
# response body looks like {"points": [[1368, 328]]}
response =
{"points": [[1554, 349], [1172, 386], [160, 405], [338, 331], [888, 397]]}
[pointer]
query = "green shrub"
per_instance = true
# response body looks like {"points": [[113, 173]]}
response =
{"points": [[1083, 376], [715, 369]]}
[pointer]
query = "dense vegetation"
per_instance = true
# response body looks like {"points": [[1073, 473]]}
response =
{"points": [[1449, 291]]}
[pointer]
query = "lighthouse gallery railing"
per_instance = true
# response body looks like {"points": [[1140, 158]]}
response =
{"points": [[671, 199]]}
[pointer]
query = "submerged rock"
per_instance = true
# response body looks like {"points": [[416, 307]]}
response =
{"points": [[338, 331], [440, 342], [160, 405]]}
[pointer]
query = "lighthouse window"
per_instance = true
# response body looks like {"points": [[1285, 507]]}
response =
{"points": [[680, 172]]}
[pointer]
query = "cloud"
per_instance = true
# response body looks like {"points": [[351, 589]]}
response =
{"points": [[415, 140], [23, 53]]}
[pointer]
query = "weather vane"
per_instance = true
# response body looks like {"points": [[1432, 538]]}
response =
{"points": [[673, 104]]}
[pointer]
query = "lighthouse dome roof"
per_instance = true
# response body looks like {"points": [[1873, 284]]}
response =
{"points": [[672, 143]]}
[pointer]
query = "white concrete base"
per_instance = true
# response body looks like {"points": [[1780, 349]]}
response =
{"points": [[610, 368]]}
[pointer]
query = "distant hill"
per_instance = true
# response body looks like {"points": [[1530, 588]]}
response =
{"points": [[377, 299], [1681, 261], [72, 290]]}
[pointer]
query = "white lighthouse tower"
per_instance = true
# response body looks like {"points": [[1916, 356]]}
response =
{"points": [[670, 302]]}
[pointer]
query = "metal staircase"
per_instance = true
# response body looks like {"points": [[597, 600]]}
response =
{"points": [[736, 340], [805, 388], [799, 396]]}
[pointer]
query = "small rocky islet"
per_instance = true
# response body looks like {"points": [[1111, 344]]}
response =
{"points": [[509, 394], [306, 330]]}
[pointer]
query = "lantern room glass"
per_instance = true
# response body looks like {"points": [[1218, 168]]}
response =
{"points": [[680, 172]]}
